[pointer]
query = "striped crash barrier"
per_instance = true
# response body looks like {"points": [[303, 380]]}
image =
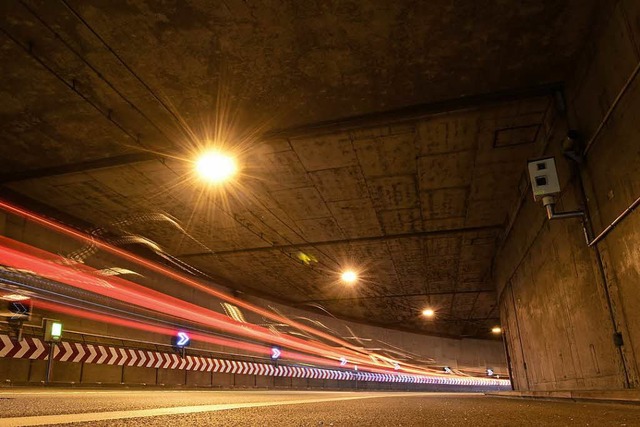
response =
{"points": [[36, 349]]}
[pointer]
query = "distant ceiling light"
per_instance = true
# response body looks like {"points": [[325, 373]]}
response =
{"points": [[496, 330], [216, 167], [428, 312], [349, 276]]}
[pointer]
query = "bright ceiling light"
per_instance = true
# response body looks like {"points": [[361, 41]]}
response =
{"points": [[496, 330], [216, 167], [349, 276], [428, 312]]}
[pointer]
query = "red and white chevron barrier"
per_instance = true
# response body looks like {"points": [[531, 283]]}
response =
{"points": [[28, 348], [34, 348]]}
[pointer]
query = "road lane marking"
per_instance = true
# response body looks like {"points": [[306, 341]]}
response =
{"points": [[59, 392], [17, 393], [178, 410]]}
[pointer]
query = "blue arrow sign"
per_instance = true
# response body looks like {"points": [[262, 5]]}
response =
{"points": [[19, 310], [183, 339], [275, 353], [343, 361]]}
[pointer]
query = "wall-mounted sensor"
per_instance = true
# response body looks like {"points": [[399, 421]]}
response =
{"points": [[546, 186], [544, 177]]}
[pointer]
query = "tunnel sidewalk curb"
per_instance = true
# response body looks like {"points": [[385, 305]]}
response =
{"points": [[600, 396]]}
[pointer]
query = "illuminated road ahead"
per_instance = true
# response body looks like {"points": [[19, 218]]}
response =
{"points": [[275, 408]]}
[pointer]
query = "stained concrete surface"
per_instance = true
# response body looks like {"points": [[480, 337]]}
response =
{"points": [[561, 301], [387, 410], [379, 182], [115, 79]]}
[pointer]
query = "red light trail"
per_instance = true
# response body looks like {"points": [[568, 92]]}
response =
{"points": [[168, 331], [22, 256], [169, 273]]}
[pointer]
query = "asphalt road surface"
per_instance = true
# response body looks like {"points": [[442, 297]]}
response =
{"points": [[22, 407]]}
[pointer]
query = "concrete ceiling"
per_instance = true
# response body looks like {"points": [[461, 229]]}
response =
{"points": [[387, 135]]}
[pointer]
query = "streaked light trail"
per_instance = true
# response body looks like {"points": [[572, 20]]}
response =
{"points": [[71, 232], [39, 262]]}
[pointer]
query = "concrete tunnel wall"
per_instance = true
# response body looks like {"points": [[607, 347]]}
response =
{"points": [[456, 353], [561, 302]]}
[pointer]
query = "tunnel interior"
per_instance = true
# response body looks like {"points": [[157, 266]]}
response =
{"points": [[389, 195]]}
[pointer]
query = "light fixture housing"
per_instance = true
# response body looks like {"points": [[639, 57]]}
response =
{"points": [[428, 312], [496, 330], [349, 276], [216, 167]]}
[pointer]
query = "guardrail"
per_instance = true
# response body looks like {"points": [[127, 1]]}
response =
{"points": [[99, 354]]}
